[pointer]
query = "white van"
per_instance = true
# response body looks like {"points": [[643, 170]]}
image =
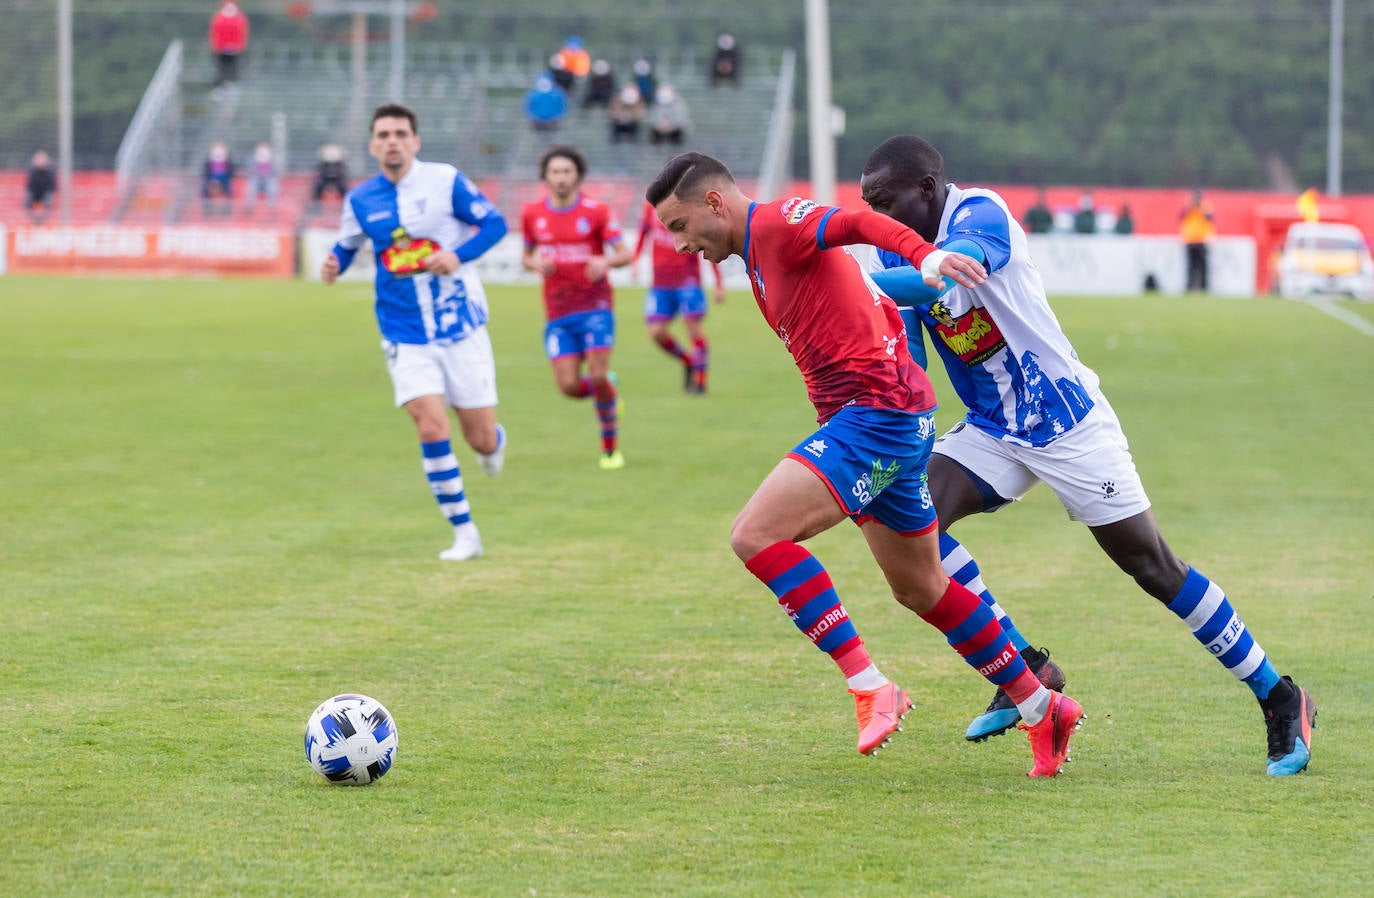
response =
{"points": [[1328, 258]]}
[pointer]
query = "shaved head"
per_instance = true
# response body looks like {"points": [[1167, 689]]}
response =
{"points": [[687, 177]]}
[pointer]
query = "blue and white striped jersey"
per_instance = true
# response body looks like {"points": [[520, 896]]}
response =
{"points": [[1006, 353], [433, 207]]}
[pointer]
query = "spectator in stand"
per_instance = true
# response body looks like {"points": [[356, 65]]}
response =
{"points": [[626, 114], [725, 62], [331, 172], [545, 103], [264, 185], [1197, 230], [560, 74], [669, 118], [217, 180], [1125, 225], [600, 85], [575, 57], [1085, 219], [228, 41], [39, 186], [644, 79], [1039, 218]]}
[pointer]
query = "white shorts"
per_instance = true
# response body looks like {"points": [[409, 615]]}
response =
{"points": [[464, 373], [1090, 468]]}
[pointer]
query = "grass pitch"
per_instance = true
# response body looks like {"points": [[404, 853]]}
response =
{"points": [[211, 518]]}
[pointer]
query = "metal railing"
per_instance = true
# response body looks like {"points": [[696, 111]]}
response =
{"points": [[156, 121]]}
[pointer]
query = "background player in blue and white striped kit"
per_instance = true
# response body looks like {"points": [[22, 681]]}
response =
{"points": [[1036, 413], [426, 220]]}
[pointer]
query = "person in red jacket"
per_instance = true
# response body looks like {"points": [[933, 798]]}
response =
{"points": [[228, 40]]}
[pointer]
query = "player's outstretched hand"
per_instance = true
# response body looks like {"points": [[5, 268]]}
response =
{"points": [[963, 270], [329, 271], [441, 263]]}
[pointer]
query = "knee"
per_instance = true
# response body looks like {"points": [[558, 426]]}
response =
{"points": [[748, 537], [1161, 574], [431, 431], [921, 597]]}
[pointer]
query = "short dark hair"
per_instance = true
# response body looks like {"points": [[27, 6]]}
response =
{"points": [[907, 158], [395, 110], [572, 154], [684, 175]]}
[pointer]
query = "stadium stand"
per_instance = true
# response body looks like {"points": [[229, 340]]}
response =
{"points": [[300, 96]]}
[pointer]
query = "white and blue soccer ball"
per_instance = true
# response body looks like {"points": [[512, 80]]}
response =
{"points": [[350, 740]]}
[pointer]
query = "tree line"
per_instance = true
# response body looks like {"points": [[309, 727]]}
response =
{"points": [[1226, 93]]}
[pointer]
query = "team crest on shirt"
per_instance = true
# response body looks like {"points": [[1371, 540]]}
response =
{"points": [[795, 209], [583, 225], [406, 255]]}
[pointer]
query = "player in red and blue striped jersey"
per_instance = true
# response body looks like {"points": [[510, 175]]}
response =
{"points": [[1036, 413], [867, 461], [676, 290], [574, 241]]}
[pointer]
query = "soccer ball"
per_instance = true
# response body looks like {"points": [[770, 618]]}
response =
{"points": [[350, 740]]}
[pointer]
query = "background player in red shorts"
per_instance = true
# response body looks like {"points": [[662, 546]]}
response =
{"points": [[867, 462], [676, 290], [574, 241]]}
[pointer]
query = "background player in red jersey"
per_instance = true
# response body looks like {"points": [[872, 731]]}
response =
{"points": [[574, 241], [676, 290], [867, 461]]}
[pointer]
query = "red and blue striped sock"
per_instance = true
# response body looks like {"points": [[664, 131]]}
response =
{"points": [[607, 404], [672, 347], [973, 630], [808, 597]]}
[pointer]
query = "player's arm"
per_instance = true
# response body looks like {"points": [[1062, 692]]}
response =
{"points": [[908, 287], [846, 227], [346, 246], [469, 207], [618, 254], [531, 258]]}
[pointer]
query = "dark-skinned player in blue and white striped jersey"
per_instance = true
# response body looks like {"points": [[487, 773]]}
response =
{"points": [[1036, 414]]}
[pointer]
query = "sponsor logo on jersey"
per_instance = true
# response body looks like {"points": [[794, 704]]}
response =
{"points": [[406, 255], [379, 215], [974, 337], [1109, 490], [795, 209], [961, 215]]}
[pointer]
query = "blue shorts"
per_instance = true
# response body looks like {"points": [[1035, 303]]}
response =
{"points": [[662, 303], [579, 333], [873, 461]]}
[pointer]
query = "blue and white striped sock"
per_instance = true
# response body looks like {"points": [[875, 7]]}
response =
{"points": [[446, 481], [962, 569], [1203, 607]]}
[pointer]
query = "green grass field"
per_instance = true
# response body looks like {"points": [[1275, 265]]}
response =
{"points": [[211, 518]]}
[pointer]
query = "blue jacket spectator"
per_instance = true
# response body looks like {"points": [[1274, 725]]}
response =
{"points": [[546, 103]]}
